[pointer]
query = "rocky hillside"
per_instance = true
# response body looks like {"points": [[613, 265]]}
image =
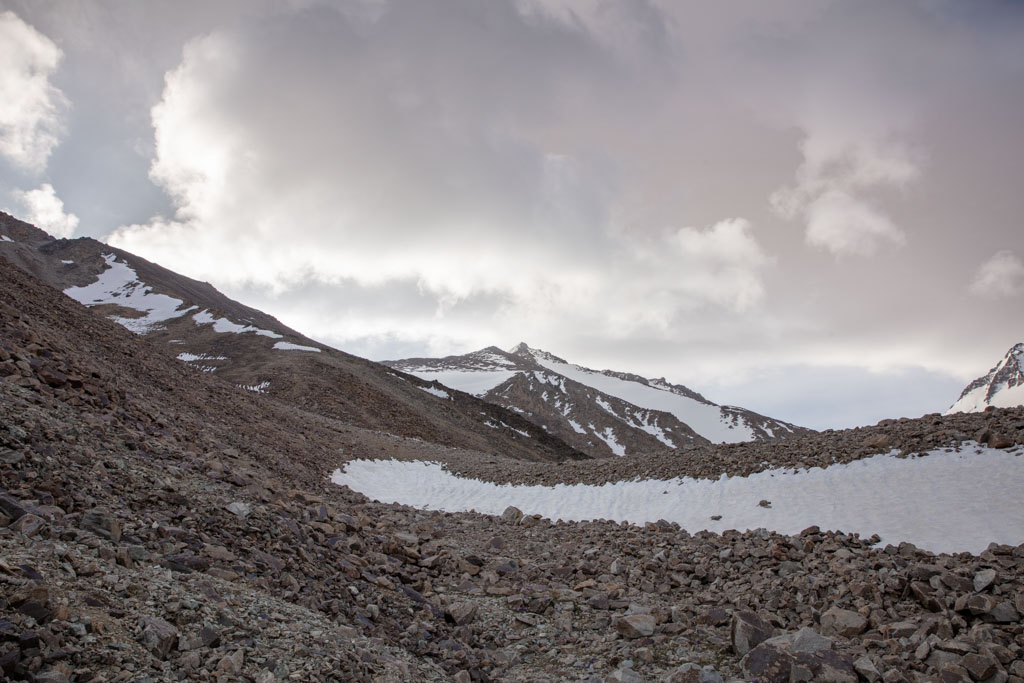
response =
{"points": [[1002, 386], [601, 413], [158, 523], [213, 334]]}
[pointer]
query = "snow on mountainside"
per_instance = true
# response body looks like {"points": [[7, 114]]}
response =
{"points": [[599, 412], [1002, 386]]}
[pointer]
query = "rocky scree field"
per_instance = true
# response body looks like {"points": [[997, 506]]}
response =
{"points": [[162, 524]]}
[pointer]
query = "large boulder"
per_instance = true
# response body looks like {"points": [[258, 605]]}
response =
{"points": [[748, 630], [804, 655]]}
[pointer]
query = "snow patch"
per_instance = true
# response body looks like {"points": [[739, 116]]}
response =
{"points": [[5, 238], [65, 262], [576, 427], [608, 436], [120, 285], [193, 357], [440, 393], [943, 502], [260, 388], [225, 326], [288, 346], [475, 382]]}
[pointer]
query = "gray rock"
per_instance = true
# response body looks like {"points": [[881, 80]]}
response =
{"points": [[636, 625], [238, 508], [867, 669], [979, 667], [804, 655], [101, 522], [842, 622], [983, 579], [748, 630], [692, 673], [512, 514]]}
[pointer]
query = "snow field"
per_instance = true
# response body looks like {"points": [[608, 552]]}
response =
{"points": [[288, 346], [942, 502]]}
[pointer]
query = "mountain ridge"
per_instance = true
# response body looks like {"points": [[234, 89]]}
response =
{"points": [[602, 412]]}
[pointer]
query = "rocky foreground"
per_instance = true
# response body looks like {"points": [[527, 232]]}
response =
{"points": [[158, 524]]}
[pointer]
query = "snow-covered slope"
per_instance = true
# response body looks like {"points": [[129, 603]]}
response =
{"points": [[1002, 387], [937, 502], [599, 412]]}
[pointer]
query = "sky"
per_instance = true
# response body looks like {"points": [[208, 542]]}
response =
{"points": [[812, 210]]}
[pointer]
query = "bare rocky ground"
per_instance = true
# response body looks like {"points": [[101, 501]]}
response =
{"points": [[160, 524]]}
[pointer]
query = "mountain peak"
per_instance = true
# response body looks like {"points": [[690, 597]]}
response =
{"points": [[1002, 386], [520, 349]]}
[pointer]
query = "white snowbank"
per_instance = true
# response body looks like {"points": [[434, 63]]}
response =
{"points": [[5, 238], [944, 502], [288, 346], [120, 285], [223, 325], [440, 393]]}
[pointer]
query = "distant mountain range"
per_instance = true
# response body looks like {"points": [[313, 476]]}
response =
{"points": [[1002, 386], [598, 412]]}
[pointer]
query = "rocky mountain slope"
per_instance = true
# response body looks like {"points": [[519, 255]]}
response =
{"points": [[601, 413], [211, 333], [1002, 386], [161, 524]]}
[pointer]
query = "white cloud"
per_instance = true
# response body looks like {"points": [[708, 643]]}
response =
{"points": [[31, 108], [829, 194], [44, 209], [1000, 276], [452, 188]]}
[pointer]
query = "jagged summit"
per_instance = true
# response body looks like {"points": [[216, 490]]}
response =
{"points": [[601, 412], [1002, 386]]}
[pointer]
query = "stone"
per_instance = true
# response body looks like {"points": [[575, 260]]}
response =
{"points": [[867, 669], [983, 579], [232, 663], [28, 525], [636, 625], [624, 675], [512, 514], [692, 673], [11, 506], [239, 509], [842, 622], [158, 636], [803, 655], [979, 667], [461, 613], [101, 522], [747, 631]]}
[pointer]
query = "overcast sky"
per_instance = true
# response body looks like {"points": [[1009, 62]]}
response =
{"points": [[811, 209]]}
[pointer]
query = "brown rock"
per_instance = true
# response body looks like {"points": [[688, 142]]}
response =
{"points": [[158, 636], [748, 630], [636, 625]]}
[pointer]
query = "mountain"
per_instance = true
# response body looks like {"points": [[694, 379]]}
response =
{"points": [[1002, 386], [160, 523], [600, 412], [214, 334]]}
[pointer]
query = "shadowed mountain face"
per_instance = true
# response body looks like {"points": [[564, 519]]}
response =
{"points": [[1002, 386], [211, 333], [603, 412]]}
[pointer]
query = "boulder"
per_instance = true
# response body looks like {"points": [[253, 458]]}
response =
{"points": [[748, 630], [843, 622], [803, 655], [158, 636]]}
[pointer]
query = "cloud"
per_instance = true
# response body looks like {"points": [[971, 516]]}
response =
{"points": [[999, 277], [408, 164], [31, 109], [829, 194], [44, 209]]}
